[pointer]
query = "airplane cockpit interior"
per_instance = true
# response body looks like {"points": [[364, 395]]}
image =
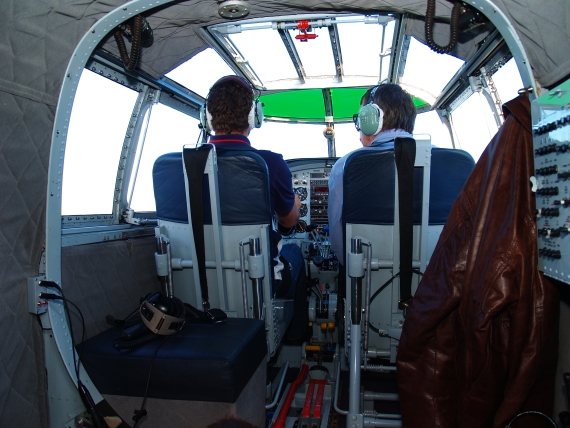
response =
{"points": [[430, 264]]}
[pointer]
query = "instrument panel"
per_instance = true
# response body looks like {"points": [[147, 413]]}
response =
{"points": [[311, 183], [551, 137]]}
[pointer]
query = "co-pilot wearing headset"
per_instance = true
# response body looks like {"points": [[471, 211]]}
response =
{"points": [[387, 112]]}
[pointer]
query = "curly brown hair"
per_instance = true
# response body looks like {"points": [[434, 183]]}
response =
{"points": [[229, 102]]}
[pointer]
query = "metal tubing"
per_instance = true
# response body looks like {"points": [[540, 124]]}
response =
{"points": [[336, 387], [243, 280], [256, 283], [280, 421], [356, 286], [278, 392], [377, 353], [376, 415], [370, 422], [354, 385], [169, 285], [378, 368], [381, 396], [356, 300], [163, 247], [367, 295]]}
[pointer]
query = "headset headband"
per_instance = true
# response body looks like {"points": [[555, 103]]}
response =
{"points": [[372, 93]]}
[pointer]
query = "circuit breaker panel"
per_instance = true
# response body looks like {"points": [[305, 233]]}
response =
{"points": [[551, 139]]}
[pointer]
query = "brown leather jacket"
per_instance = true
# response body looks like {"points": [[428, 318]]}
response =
{"points": [[479, 343]]}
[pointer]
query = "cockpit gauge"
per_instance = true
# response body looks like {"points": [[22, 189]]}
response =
{"points": [[303, 210], [302, 192], [301, 226]]}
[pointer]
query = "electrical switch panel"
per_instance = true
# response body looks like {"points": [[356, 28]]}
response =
{"points": [[551, 181]]}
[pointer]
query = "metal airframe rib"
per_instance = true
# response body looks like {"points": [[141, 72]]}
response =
{"points": [[293, 54]]}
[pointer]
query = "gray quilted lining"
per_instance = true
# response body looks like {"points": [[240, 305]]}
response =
{"points": [[24, 153], [107, 279]]}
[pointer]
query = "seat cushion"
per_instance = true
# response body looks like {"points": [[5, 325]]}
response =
{"points": [[202, 362]]}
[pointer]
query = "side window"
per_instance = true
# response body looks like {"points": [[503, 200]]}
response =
{"points": [[97, 127], [473, 122], [473, 125], [508, 81], [430, 123], [168, 131]]}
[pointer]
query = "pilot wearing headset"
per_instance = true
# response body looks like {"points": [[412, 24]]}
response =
{"points": [[231, 111], [387, 112]]}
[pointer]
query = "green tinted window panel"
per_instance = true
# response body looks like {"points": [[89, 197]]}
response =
{"points": [[308, 105], [419, 103], [346, 102], [303, 105]]}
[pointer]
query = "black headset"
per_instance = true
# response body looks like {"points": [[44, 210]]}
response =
{"points": [[370, 117], [161, 314], [255, 117]]}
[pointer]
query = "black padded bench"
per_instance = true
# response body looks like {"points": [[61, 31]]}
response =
{"points": [[201, 363]]}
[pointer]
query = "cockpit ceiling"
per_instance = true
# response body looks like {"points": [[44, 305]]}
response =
{"points": [[177, 29]]}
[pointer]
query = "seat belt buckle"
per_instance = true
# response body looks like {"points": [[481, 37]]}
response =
{"points": [[404, 305]]}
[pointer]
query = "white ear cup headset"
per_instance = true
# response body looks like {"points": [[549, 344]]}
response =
{"points": [[161, 314], [370, 117], [255, 116]]}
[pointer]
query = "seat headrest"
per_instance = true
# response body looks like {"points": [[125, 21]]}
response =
{"points": [[243, 183], [369, 185]]}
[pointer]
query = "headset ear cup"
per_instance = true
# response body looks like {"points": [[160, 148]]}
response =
{"points": [[209, 121], [251, 117], [370, 119], [205, 119], [258, 113]]}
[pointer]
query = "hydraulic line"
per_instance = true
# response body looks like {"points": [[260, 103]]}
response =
{"points": [[278, 392], [280, 421]]}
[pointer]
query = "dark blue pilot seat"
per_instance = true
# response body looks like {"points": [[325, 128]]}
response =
{"points": [[244, 212], [371, 217]]}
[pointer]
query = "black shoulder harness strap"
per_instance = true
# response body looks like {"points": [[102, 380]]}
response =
{"points": [[195, 163], [405, 154]]}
